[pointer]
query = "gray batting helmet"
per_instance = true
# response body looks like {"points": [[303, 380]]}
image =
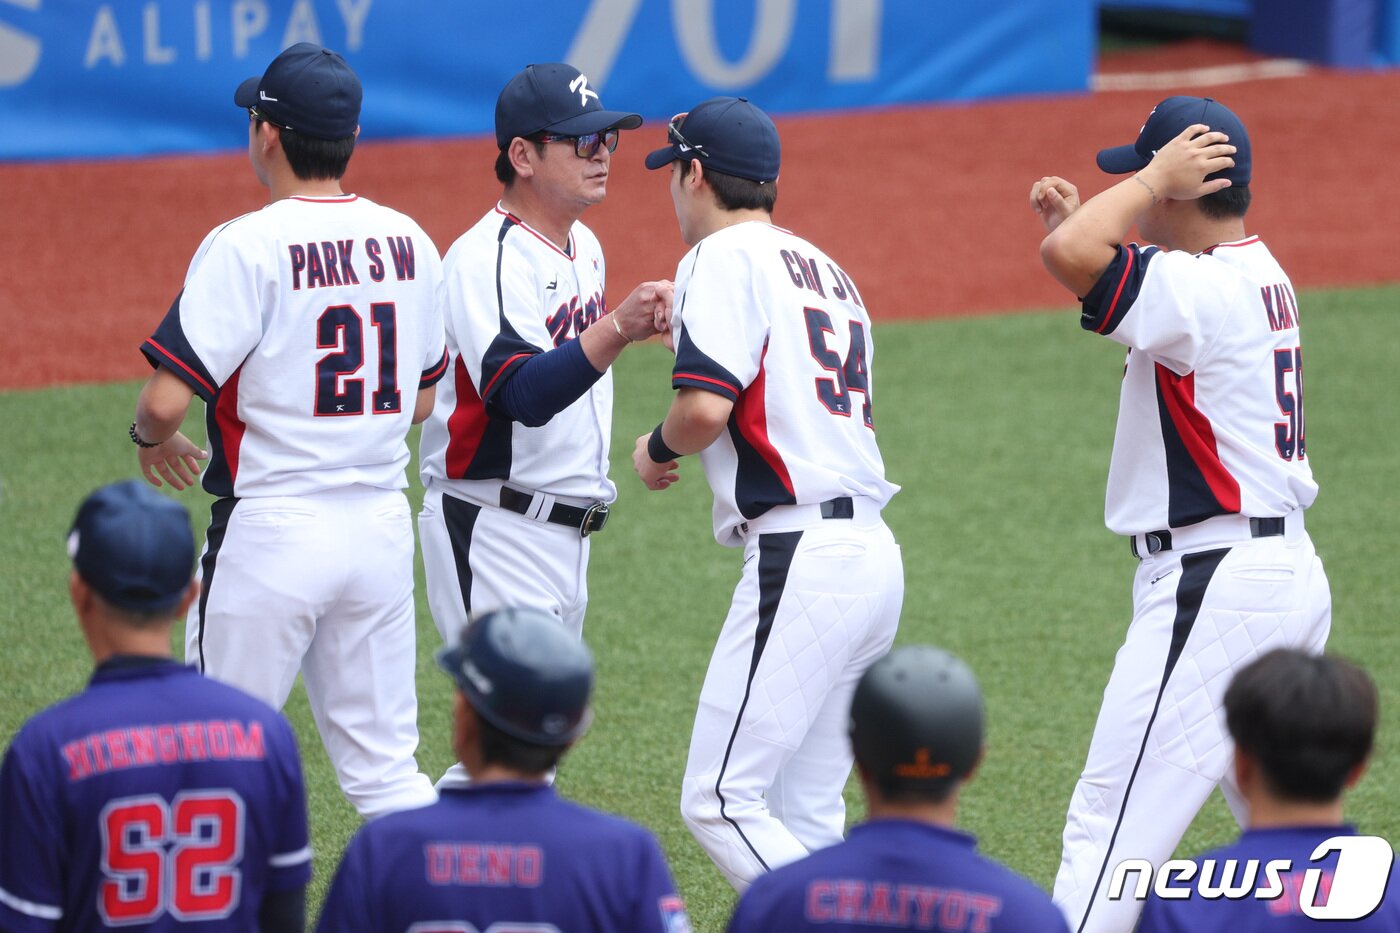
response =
{"points": [[916, 720], [524, 673]]}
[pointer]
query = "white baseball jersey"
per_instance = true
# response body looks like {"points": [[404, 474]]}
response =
{"points": [[766, 320], [1210, 420], [511, 293], [308, 328]]}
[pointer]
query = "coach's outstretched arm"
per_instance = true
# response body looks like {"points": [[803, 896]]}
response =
{"points": [[1082, 242], [160, 410]]}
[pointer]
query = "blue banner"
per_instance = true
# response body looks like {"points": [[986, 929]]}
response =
{"points": [[82, 78]]}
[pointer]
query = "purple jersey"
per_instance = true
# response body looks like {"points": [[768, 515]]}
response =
{"points": [[502, 857], [152, 799], [896, 875], [1281, 914]]}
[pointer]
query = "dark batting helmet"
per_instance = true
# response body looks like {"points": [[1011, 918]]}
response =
{"points": [[525, 674], [916, 721]]}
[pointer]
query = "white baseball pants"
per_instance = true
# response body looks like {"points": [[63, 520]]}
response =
{"points": [[322, 584], [1160, 745], [817, 604], [478, 558]]}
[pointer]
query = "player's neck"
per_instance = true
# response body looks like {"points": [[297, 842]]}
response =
{"points": [[553, 220], [107, 641], [943, 813], [1199, 233], [1269, 812], [294, 187], [718, 219]]}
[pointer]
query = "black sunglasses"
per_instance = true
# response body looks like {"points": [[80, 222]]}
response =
{"points": [[585, 147], [254, 114], [673, 133]]}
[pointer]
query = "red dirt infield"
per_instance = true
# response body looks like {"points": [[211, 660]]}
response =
{"points": [[925, 207]]}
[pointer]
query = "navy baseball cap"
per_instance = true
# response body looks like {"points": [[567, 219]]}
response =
{"points": [[133, 546], [554, 97], [1166, 122], [727, 134], [307, 89]]}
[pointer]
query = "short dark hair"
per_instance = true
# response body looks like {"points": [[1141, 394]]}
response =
{"points": [[505, 171], [314, 159], [509, 752], [738, 194], [1226, 203], [1308, 721], [139, 619]]}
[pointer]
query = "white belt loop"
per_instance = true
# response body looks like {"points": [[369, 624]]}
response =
{"points": [[541, 504]]}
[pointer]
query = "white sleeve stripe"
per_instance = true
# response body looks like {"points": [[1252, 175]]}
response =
{"points": [[42, 911], [290, 858]]}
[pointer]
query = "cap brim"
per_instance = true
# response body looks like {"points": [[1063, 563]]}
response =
{"points": [[449, 658], [1120, 160], [595, 121], [247, 93], [660, 158]]}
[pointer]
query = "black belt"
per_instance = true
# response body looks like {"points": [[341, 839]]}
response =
{"points": [[1158, 541], [585, 521]]}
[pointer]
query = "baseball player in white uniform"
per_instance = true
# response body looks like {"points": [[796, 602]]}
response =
{"points": [[774, 372], [1209, 480], [311, 330], [515, 454]]}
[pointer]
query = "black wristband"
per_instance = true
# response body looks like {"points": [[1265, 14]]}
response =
{"points": [[136, 438], [657, 449]]}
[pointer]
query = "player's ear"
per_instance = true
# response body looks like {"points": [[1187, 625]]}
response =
{"points": [[190, 595], [522, 156]]}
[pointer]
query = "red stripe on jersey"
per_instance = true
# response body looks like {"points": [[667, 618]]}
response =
{"points": [[1245, 242], [730, 387], [751, 414], [432, 374], [176, 360], [466, 424], [1194, 429], [567, 253], [503, 367], [1127, 271], [231, 427]]}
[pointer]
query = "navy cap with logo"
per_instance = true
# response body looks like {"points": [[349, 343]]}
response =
{"points": [[307, 89], [727, 134], [1166, 122], [555, 98], [133, 546]]}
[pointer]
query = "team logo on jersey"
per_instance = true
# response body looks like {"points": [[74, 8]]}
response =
{"points": [[580, 87], [673, 916]]}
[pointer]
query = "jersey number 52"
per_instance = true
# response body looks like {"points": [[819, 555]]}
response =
{"points": [[181, 857]]}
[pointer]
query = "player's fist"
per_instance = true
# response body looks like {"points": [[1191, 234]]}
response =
{"points": [[1053, 199], [655, 476], [636, 318]]}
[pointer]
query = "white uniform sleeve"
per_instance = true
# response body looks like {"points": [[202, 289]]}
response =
{"points": [[216, 321], [1168, 304], [723, 329], [434, 337]]}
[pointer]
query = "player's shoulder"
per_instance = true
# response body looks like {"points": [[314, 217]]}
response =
{"points": [[599, 825]]}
